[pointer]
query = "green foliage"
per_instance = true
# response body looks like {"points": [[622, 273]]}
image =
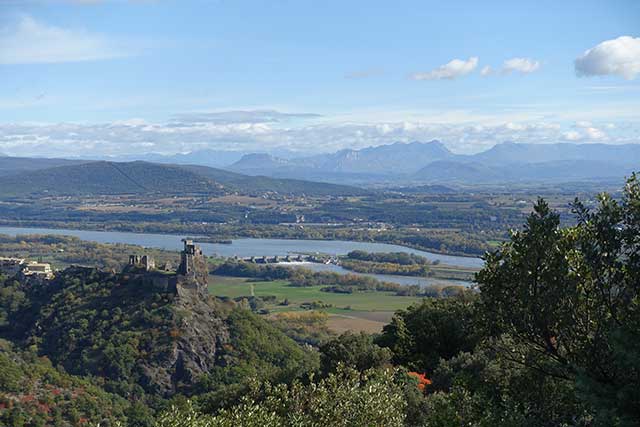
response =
{"points": [[401, 258], [371, 267], [437, 328], [356, 351], [400, 263], [569, 299], [346, 398], [487, 388], [258, 350], [94, 323]]}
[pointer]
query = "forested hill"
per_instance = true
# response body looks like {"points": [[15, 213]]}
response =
{"points": [[143, 177], [144, 344]]}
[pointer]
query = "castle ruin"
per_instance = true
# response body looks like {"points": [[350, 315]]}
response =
{"points": [[188, 258], [191, 274], [145, 262]]}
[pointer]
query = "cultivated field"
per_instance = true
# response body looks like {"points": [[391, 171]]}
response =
{"points": [[362, 311]]}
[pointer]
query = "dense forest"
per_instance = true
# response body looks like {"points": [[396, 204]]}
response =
{"points": [[551, 339]]}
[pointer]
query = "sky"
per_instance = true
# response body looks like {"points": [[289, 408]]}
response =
{"points": [[100, 77]]}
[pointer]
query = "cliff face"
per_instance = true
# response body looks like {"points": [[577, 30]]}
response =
{"points": [[199, 331]]}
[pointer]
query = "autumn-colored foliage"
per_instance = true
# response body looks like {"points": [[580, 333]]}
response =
{"points": [[423, 381]]}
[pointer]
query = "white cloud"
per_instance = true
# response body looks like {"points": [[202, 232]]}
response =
{"points": [[486, 71], [585, 131], [451, 70], [595, 133], [520, 65], [32, 42], [137, 136], [619, 57], [572, 135], [513, 65]]}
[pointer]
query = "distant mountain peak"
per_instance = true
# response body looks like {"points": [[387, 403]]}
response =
{"points": [[258, 160]]}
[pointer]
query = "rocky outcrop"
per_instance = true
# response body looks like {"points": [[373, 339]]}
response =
{"points": [[198, 334]]}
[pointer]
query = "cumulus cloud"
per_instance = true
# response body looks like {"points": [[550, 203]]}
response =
{"points": [[619, 57], [572, 135], [451, 70], [486, 71], [513, 65], [585, 131], [30, 42], [595, 133], [520, 65]]}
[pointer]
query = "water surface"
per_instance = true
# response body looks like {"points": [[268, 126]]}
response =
{"points": [[245, 248]]}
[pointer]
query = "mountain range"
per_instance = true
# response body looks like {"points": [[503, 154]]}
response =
{"points": [[399, 164], [432, 162]]}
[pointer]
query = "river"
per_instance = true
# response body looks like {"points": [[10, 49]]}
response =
{"points": [[263, 247]]}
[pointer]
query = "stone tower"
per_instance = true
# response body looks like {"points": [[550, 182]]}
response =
{"points": [[192, 272], [188, 258]]}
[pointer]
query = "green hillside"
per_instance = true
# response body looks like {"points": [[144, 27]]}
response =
{"points": [[107, 178], [143, 177]]}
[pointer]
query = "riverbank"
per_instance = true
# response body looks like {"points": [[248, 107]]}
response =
{"points": [[246, 247], [424, 240]]}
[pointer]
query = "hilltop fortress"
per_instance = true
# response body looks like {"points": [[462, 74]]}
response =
{"points": [[190, 276]]}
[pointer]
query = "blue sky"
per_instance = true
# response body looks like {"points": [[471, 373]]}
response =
{"points": [[115, 77]]}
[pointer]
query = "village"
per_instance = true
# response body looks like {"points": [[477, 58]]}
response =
{"points": [[13, 266]]}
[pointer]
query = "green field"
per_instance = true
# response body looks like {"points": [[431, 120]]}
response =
{"points": [[362, 301]]}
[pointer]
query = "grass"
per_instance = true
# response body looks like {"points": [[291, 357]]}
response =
{"points": [[341, 303], [444, 271]]}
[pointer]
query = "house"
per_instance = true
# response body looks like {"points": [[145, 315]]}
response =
{"points": [[38, 269]]}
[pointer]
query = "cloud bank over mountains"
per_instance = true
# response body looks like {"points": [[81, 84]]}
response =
{"points": [[270, 131]]}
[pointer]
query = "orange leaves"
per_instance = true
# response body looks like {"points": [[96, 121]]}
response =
{"points": [[422, 379]]}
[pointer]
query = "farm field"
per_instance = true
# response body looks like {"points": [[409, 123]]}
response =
{"points": [[364, 311]]}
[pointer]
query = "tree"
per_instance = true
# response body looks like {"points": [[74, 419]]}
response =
{"points": [[353, 350], [570, 301], [346, 398], [437, 328]]}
